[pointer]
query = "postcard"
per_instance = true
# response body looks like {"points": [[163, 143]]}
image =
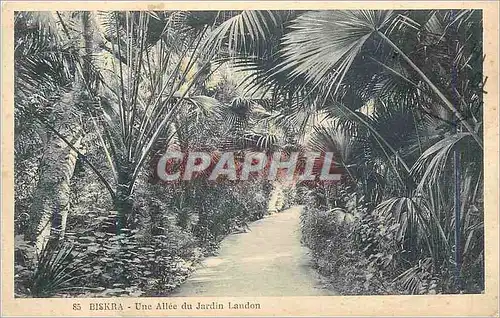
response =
{"points": [[250, 158]]}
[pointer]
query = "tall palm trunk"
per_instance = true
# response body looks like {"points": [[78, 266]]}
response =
{"points": [[123, 202], [51, 199]]}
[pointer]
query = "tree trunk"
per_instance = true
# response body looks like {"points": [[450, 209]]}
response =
{"points": [[123, 202], [51, 199], [123, 205]]}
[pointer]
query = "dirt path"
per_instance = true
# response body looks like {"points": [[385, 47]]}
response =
{"points": [[266, 261]]}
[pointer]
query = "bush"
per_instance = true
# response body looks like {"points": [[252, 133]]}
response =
{"points": [[170, 228], [226, 208], [52, 271], [336, 254]]}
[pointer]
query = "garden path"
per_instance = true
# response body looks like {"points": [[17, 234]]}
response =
{"points": [[267, 260]]}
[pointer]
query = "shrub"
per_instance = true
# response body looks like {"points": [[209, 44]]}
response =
{"points": [[53, 271], [170, 229], [331, 237]]}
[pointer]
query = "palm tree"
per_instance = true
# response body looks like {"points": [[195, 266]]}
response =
{"points": [[137, 70], [44, 70], [340, 61], [374, 87]]}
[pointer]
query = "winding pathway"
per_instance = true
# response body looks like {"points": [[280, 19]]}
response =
{"points": [[268, 260]]}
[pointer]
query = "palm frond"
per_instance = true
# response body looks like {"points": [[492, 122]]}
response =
{"points": [[432, 164], [245, 32], [327, 42]]}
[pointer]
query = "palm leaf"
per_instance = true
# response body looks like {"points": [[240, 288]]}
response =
{"points": [[433, 162], [244, 31], [327, 42]]}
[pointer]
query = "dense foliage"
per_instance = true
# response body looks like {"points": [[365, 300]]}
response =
{"points": [[395, 95]]}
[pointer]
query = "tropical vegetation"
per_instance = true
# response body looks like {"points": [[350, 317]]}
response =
{"points": [[395, 95]]}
